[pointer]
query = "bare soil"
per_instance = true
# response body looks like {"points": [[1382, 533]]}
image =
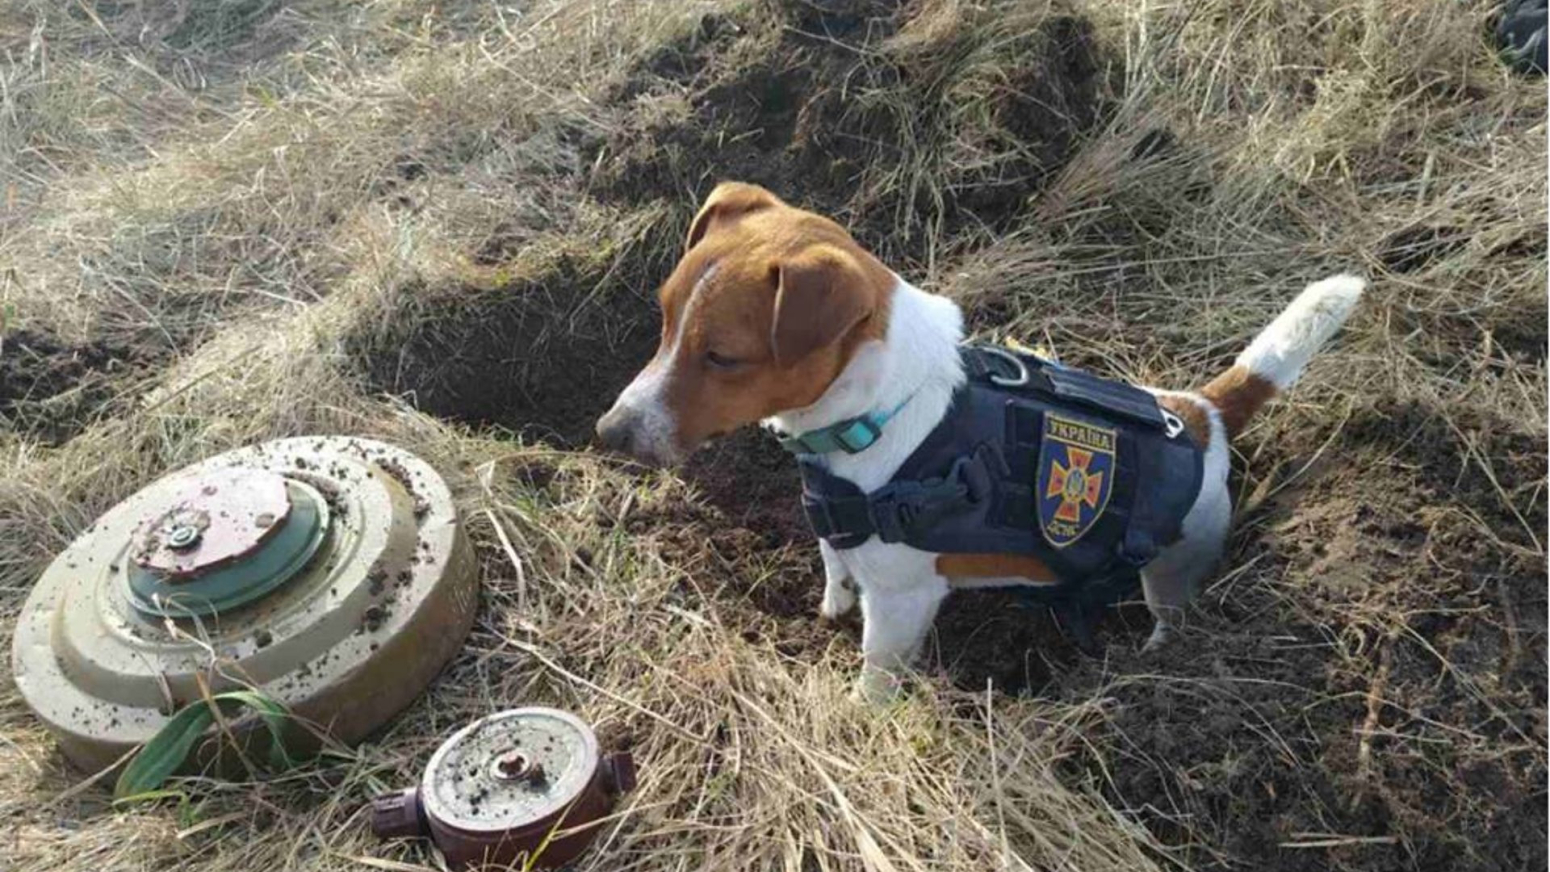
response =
{"points": [[1367, 672], [50, 390]]}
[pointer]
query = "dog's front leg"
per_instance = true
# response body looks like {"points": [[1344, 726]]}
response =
{"points": [[839, 593], [896, 614]]}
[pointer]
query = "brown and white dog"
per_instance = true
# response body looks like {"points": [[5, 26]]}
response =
{"points": [[776, 314]]}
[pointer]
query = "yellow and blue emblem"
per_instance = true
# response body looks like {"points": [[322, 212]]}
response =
{"points": [[1076, 474]]}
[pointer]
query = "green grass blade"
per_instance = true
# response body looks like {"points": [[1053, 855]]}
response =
{"points": [[166, 751]]}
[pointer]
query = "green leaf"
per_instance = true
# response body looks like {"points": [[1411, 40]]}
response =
{"points": [[166, 751], [274, 717]]}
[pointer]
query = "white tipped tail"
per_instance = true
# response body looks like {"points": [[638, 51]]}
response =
{"points": [[1282, 350]]}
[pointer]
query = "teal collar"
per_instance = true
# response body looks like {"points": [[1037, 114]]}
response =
{"points": [[852, 435]]}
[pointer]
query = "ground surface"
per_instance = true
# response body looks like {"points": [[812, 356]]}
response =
{"points": [[441, 224]]}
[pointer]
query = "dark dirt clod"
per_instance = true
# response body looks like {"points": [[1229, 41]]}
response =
{"points": [[373, 617]]}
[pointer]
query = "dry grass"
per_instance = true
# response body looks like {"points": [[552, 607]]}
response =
{"points": [[269, 213]]}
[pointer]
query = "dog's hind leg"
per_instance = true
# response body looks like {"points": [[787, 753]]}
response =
{"points": [[1171, 580]]}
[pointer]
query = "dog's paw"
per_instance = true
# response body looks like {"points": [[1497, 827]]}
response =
{"points": [[839, 597], [1162, 636], [876, 688]]}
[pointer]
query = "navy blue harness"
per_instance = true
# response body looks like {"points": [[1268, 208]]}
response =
{"points": [[1088, 475]]}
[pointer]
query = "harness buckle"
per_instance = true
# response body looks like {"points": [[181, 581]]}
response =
{"points": [[894, 513], [897, 510], [906, 507], [1021, 368], [1172, 422]]}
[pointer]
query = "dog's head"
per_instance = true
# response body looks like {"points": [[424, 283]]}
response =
{"points": [[763, 311]]}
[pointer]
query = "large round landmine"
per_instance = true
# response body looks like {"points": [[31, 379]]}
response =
{"points": [[524, 784], [328, 572]]}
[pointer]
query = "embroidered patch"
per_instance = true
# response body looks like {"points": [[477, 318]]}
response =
{"points": [[1076, 474]]}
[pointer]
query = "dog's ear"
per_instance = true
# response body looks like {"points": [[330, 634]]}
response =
{"points": [[727, 203], [822, 293]]}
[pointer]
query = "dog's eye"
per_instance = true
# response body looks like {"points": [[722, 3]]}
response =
{"points": [[721, 361]]}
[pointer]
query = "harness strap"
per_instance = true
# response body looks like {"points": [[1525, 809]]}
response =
{"points": [[1007, 369], [1003, 368], [842, 514]]}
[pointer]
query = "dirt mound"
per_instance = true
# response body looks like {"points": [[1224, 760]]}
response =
{"points": [[888, 119]]}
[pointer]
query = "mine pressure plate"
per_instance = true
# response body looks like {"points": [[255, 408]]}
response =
{"points": [[329, 573], [525, 784]]}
